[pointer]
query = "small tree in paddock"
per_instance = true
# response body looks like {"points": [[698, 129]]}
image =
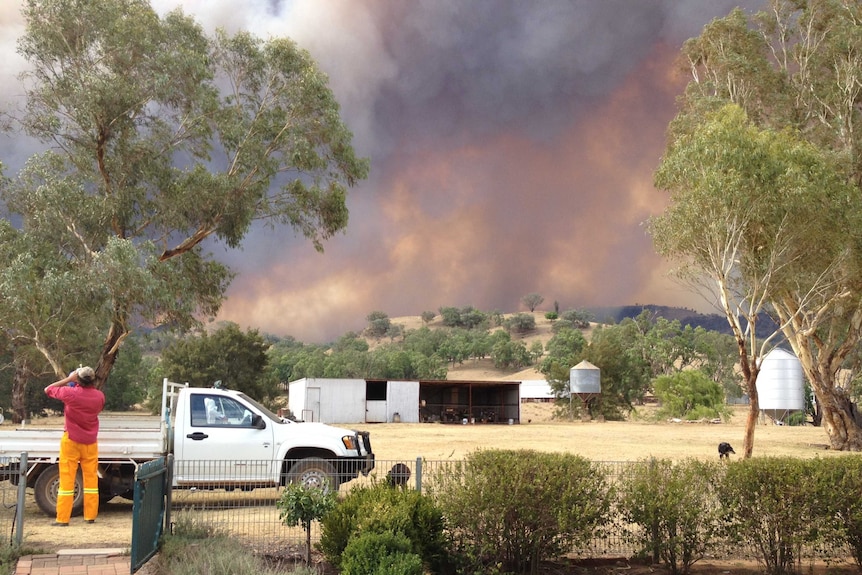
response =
{"points": [[532, 301]]}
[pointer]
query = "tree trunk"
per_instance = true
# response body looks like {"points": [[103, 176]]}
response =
{"points": [[836, 409], [19, 391], [111, 347], [750, 369], [751, 418], [838, 420]]}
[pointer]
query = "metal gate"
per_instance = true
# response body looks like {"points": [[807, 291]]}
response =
{"points": [[152, 502]]}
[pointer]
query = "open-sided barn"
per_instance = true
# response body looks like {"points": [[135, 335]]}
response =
{"points": [[378, 401]]}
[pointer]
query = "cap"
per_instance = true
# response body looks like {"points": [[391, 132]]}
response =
{"points": [[86, 374]]}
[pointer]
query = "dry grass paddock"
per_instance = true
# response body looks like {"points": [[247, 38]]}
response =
{"points": [[637, 438]]}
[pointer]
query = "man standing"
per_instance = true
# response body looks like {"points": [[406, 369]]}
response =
{"points": [[82, 405]]}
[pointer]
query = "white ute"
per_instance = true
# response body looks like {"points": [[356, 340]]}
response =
{"points": [[220, 438]]}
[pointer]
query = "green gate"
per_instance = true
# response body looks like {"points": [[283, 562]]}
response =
{"points": [[152, 500]]}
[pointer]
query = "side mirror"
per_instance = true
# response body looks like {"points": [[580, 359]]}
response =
{"points": [[257, 421]]}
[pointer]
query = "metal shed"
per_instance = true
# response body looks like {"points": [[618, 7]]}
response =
{"points": [[353, 400], [379, 401]]}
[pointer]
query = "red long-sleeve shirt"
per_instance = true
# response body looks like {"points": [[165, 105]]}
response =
{"points": [[82, 408]]}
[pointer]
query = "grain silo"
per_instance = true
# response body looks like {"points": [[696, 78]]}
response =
{"points": [[780, 387], [585, 382], [585, 378]]}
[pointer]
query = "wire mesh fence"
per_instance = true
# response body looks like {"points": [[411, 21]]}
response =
{"points": [[250, 513], [12, 490]]}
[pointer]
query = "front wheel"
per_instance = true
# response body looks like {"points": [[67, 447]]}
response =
{"points": [[314, 472], [45, 491]]}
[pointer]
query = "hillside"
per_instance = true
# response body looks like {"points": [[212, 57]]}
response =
{"points": [[484, 369]]}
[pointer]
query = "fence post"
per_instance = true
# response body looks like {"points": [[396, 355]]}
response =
{"points": [[169, 494], [22, 490], [419, 474]]}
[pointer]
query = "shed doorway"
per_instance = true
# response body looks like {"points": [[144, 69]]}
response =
{"points": [[375, 401]]}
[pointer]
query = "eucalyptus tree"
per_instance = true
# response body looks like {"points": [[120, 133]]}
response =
{"points": [[765, 198], [158, 137], [41, 320]]}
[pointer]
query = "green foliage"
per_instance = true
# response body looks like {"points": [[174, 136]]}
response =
{"points": [[380, 509], [384, 553], [564, 351], [467, 317], [519, 507], [690, 395], [772, 505], [624, 373], [418, 356], [674, 504], [796, 418], [837, 484], [758, 141], [238, 359], [575, 318], [428, 316], [507, 353], [378, 324], [133, 106], [520, 323], [630, 355], [551, 315], [536, 350], [718, 357], [300, 505], [532, 301], [127, 384]]}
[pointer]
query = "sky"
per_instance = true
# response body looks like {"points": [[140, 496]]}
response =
{"points": [[512, 147]]}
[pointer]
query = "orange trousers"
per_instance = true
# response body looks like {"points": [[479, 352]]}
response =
{"points": [[71, 455]]}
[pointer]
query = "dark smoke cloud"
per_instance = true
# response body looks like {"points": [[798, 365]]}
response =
{"points": [[512, 147]]}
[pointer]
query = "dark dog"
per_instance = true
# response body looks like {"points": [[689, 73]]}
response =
{"points": [[724, 450], [398, 476]]}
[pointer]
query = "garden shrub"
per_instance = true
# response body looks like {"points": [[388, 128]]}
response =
{"points": [[381, 509], [772, 506], [300, 505], [837, 485], [512, 509], [675, 506], [384, 553]]}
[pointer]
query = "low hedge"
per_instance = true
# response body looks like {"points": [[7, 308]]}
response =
{"points": [[502, 511]]}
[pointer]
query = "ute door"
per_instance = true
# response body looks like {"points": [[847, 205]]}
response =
{"points": [[220, 445]]}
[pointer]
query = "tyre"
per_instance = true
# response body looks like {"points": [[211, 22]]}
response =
{"points": [[45, 491], [314, 472]]}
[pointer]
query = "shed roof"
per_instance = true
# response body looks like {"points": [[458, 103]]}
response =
{"points": [[468, 382]]}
